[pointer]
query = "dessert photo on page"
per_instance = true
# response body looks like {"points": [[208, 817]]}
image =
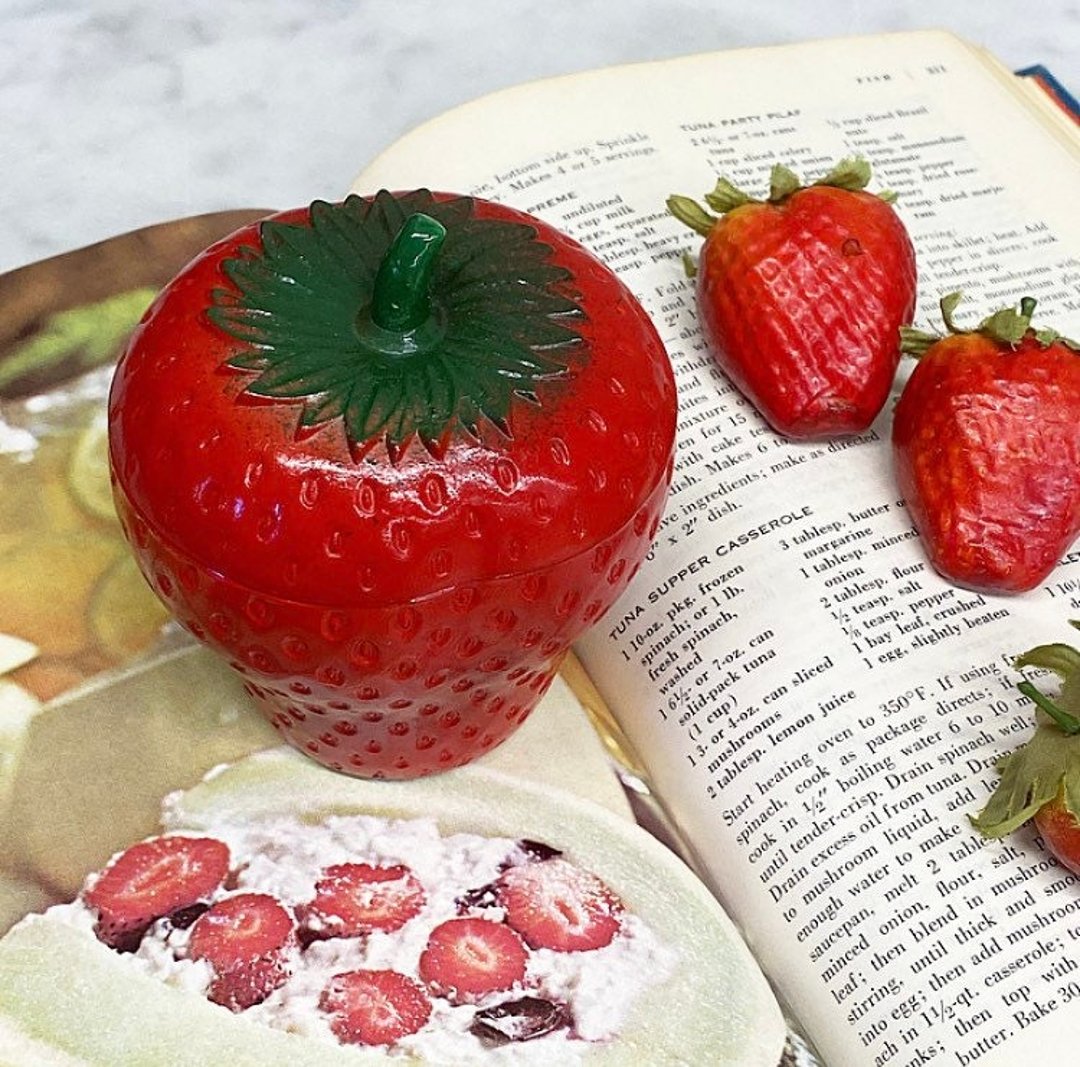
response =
{"points": [[601, 587]]}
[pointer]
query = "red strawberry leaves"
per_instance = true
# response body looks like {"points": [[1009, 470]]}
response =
{"points": [[152, 879], [560, 906], [466, 958], [245, 939], [374, 1007], [801, 296], [986, 447], [352, 899]]}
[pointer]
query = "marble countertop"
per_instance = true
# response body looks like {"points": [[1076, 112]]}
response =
{"points": [[120, 113]]}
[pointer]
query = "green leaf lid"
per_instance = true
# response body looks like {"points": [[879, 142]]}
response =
{"points": [[405, 316]]}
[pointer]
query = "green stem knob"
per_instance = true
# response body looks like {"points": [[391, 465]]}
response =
{"points": [[401, 300]]}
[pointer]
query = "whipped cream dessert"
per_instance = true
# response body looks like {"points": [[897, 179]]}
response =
{"points": [[363, 930]]}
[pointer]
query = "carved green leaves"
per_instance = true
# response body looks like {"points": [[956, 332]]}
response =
{"points": [[403, 316]]}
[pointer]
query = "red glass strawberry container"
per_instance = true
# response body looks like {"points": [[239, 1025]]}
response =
{"points": [[391, 457]]}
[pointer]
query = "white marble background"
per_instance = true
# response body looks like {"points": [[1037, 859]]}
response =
{"points": [[119, 113]]}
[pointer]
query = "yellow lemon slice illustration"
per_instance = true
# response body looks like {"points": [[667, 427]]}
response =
{"points": [[124, 613]]}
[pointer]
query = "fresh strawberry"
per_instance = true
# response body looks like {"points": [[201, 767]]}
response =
{"points": [[801, 296], [986, 443], [391, 457], [1041, 779], [466, 958], [355, 898], [374, 1007], [245, 939], [152, 879], [558, 905]]}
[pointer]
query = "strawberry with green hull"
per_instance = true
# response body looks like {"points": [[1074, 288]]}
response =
{"points": [[391, 457], [801, 296], [986, 446], [1041, 780]]}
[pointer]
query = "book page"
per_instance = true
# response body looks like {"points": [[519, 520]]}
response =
{"points": [[819, 711]]}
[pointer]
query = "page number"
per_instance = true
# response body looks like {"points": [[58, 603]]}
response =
{"points": [[936, 68]]}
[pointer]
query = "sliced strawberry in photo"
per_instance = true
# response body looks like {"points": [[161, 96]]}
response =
{"points": [[557, 905], [152, 879], [352, 899], [466, 958], [374, 1007], [245, 939], [802, 293]]}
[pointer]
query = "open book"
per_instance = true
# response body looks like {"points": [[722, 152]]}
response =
{"points": [[817, 710], [814, 710]]}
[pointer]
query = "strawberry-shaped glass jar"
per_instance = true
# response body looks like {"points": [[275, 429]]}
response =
{"points": [[391, 457]]}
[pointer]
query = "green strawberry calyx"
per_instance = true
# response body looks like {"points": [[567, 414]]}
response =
{"points": [[403, 316], [1049, 762], [852, 174], [1008, 326]]}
